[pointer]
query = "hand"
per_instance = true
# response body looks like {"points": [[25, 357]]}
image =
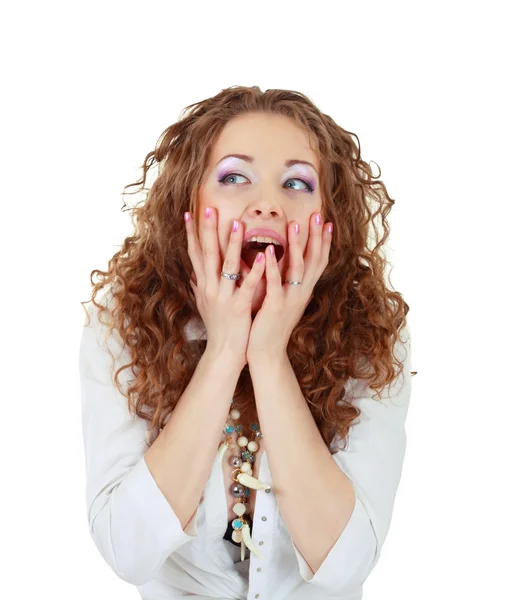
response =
{"points": [[225, 308], [284, 303]]}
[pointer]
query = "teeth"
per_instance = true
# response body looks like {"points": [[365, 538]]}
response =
{"points": [[264, 240]]}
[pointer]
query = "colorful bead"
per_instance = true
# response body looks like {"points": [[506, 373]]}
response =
{"points": [[238, 490], [228, 428], [239, 509], [253, 446], [237, 524], [247, 456]]}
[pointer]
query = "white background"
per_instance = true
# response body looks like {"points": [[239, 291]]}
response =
{"points": [[427, 87]]}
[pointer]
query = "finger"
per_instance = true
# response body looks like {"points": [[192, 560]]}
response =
{"points": [[249, 284], [314, 249], [295, 270], [194, 249], [232, 259], [273, 276], [327, 239], [210, 247]]}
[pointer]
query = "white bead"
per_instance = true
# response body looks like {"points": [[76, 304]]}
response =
{"points": [[237, 536], [234, 414], [253, 446], [239, 509], [246, 467], [242, 441]]}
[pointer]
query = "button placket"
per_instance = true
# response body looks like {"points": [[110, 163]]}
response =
{"points": [[269, 507]]}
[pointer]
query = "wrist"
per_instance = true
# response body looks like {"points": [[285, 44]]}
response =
{"points": [[222, 359], [268, 357]]}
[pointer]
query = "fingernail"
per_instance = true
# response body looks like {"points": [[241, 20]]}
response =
{"points": [[330, 228], [235, 225], [208, 212], [271, 249], [297, 228], [260, 257], [319, 219], [187, 216]]}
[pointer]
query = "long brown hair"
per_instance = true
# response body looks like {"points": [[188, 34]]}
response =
{"points": [[353, 321]]}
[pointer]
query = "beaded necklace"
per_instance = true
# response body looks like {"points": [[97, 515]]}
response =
{"points": [[242, 460]]}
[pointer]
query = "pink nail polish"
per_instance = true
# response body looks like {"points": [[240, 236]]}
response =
{"points": [[259, 257], [297, 228], [187, 217], [319, 219], [235, 225], [208, 212], [271, 250], [330, 228]]}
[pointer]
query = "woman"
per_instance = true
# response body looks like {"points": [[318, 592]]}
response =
{"points": [[259, 335]]}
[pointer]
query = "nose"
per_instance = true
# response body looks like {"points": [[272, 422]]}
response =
{"points": [[266, 206]]}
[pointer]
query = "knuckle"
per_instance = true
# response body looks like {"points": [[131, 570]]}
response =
{"points": [[230, 265], [211, 293], [208, 250]]}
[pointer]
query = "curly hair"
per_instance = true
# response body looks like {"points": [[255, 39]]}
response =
{"points": [[349, 328]]}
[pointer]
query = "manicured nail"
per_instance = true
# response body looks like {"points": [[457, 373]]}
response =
{"points": [[235, 225], [330, 228], [187, 217], [297, 228], [208, 212], [260, 257], [319, 219], [271, 250]]}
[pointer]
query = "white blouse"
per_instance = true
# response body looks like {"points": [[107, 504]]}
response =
{"points": [[138, 534]]}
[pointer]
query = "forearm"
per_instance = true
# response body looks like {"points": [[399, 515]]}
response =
{"points": [[315, 497], [181, 458]]}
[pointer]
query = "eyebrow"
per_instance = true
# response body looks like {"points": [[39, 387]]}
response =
{"points": [[288, 163]]}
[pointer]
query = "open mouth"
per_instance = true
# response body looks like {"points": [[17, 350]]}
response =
{"points": [[250, 250]]}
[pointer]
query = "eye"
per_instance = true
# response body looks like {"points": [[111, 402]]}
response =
{"points": [[308, 187], [231, 176]]}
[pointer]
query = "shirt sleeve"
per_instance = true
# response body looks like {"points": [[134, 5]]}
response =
{"points": [[373, 463], [132, 524]]}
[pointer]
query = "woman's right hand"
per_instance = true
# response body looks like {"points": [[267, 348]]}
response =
{"points": [[224, 307]]}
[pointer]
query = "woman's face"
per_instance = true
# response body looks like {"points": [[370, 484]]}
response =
{"points": [[266, 191]]}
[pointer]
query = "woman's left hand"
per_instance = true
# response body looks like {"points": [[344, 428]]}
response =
{"points": [[285, 303]]}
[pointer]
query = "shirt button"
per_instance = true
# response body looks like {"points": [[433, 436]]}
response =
{"points": [[256, 596], [261, 543], [259, 569], [263, 518]]}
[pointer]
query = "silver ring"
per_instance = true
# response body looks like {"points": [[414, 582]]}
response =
{"points": [[232, 276], [294, 282]]}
